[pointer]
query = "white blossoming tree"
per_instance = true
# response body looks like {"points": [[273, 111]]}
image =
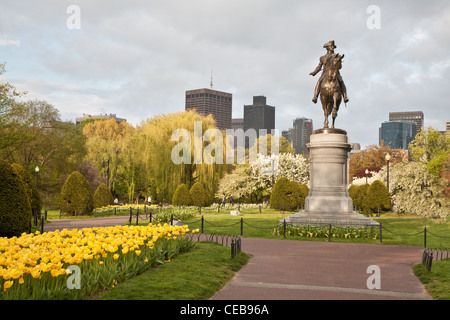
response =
{"points": [[414, 190], [255, 179]]}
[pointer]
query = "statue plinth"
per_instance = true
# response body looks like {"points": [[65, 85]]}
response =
{"points": [[328, 201]]}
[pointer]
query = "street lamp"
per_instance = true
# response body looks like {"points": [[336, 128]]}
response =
{"points": [[36, 170], [367, 173], [388, 157]]}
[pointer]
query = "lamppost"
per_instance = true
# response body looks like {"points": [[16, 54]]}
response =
{"points": [[36, 170], [387, 157], [367, 173]]}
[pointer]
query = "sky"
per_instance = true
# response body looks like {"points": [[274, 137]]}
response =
{"points": [[136, 59]]}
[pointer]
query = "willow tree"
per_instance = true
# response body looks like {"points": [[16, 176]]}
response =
{"points": [[157, 144], [108, 146]]}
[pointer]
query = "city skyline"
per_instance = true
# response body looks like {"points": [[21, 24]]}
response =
{"points": [[136, 60]]}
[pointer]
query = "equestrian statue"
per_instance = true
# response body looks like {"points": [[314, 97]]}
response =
{"points": [[330, 85]]}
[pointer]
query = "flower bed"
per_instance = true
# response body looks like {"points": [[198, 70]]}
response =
{"points": [[42, 266], [322, 232], [159, 214]]}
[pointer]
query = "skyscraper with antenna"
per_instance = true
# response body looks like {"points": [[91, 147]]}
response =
{"points": [[211, 83], [209, 101]]}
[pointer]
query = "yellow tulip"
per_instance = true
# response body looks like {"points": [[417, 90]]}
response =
{"points": [[116, 256], [54, 273], [7, 285]]}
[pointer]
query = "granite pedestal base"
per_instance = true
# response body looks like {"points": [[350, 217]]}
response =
{"points": [[328, 201]]}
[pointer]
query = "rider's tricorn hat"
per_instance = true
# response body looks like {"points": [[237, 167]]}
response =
{"points": [[329, 44]]}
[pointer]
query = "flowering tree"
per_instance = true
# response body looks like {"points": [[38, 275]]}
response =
{"points": [[236, 184], [414, 190], [257, 177]]}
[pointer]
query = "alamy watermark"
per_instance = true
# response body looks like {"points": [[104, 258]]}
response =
{"points": [[73, 21], [374, 281], [374, 20], [74, 280], [234, 145]]}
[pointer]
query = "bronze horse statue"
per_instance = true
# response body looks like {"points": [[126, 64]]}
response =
{"points": [[330, 89]]}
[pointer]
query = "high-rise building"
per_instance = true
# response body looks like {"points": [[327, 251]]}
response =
{"points": [[105, 116], [259, 116], [208, 101], [411, 116], [398, 134], [303, 129], [237, 123], [447, 127]]}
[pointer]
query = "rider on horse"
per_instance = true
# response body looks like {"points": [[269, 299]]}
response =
{"points": [[330, 46]]}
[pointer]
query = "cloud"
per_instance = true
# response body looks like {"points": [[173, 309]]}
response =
{"points": [[136, 59], [9, 42]]}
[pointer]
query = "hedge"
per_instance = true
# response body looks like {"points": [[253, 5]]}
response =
{"points": [[76, 195], [182, 197], [103, 197], [15, 207]]}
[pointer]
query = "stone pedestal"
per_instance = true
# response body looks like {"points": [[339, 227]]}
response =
{"points": [[328, 201]]}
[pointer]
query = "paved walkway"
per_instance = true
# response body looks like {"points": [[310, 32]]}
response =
{"points": [[307, 270], [85, 223]]}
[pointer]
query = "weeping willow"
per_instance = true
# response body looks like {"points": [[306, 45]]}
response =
{"points": [[154, 150]]}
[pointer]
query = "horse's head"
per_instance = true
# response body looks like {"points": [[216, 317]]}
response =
{"points": [[337, 61]]}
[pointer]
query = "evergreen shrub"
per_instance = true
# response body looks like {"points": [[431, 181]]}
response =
{"points": [[33, 194], [198, 195], [103, 197], [360, 196], [181, 197], [76, 195], [378, 198], [15, 208], [286, 195]]}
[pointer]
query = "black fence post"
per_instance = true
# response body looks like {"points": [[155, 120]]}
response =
{"points": [[202, 224], [284, 228], [381, 233], [115, 210], [260, 209], [171, 219], [329, 233], [131, 214], [137, 216], [42, 224], [150, 216], [425, 237], [242, 226], [233, 248]]}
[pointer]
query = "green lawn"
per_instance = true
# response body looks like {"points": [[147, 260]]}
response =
{"points": [[437, 281], [410, 231], [195, 275]]}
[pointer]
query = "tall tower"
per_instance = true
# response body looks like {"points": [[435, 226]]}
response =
{"points": [[410, 116], [303, 129], [259, 115], [208, 101]]}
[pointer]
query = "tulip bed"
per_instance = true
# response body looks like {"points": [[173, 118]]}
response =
{"points": [[39, 266], [322, 232], [160, 214]]}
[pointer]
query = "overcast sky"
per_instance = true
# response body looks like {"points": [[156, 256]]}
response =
{"points": [[136, 59]]}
